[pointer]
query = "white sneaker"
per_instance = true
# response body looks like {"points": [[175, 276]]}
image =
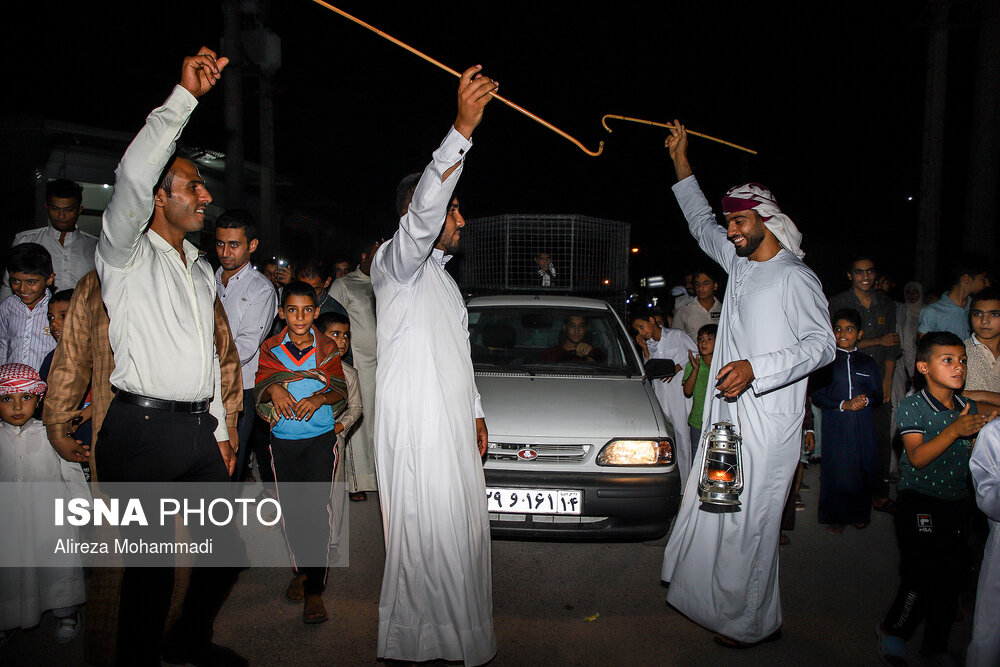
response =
{"points": [[69, 628]]}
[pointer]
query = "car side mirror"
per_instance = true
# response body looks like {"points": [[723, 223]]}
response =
{"points": [[660, 369]]}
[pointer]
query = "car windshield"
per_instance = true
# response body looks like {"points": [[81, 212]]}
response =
{"points": [[538, 339]]}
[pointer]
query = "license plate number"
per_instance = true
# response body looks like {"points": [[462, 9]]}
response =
{"points": [[534, 501]]}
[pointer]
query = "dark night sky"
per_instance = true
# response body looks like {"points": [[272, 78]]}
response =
{"points": [[831, 94]]}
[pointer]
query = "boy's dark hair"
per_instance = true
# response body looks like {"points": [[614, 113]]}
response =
{"points": [[700, 270], [340, 259], [324, 321], [404, 191], [986, 294], [934, 339], [238, 219], [297, 288], [966, 265], [63, 295], [849, 314], [315, 268], [30, 258], [709, 329], [644, 315], [64, 189]]}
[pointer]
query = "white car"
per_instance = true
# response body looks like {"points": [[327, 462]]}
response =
{"points": [[578, 445]]}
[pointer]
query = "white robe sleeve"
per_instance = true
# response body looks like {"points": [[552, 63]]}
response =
{"points": [[985, 468], [806, 310], [704, 226], [401, 256]]}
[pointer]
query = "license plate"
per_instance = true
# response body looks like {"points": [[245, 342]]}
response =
{"points": [[534, 501]]}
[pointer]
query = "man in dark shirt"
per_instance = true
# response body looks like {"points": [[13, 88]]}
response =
{"points": [[572, 346], [881, 343]]}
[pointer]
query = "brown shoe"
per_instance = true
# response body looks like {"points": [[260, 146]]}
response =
{"points": [[313, 610], [295, 591]]}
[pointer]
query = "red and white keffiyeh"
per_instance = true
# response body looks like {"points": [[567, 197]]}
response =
{"points": [[754, 196], [20, 379]]}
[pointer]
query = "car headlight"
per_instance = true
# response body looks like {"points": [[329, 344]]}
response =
{"points": [[630, 452]]}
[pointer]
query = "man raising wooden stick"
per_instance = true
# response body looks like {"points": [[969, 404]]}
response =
{"points": [[773, 332]]}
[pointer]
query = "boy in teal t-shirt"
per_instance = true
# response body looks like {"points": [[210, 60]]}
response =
{"points": [[937, 426], [696, 380]]}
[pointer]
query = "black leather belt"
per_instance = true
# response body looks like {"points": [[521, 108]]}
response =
{"points": [[191, 407]]}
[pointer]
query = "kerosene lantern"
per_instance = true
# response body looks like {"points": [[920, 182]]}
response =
{"points": [[721, 466]]}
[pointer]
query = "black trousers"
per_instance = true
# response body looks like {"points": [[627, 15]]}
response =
{"points": [[307, 517], [145, 445], [933, 563]]}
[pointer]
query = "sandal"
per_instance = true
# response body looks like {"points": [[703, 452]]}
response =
{"points": [[296, 591], [862, 525], [313, 611], [358, 497], [727, 642], [891, 649], [835, 528], [888, 505], [784, 540]]}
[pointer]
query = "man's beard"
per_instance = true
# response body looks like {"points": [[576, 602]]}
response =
{"points": [[449, 244], [753, 242]]}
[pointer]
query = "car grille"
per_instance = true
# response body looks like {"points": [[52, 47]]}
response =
{"points": [[504, 451]]}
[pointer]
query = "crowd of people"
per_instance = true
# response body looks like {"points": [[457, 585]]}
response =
{"points": [[359, 372]]}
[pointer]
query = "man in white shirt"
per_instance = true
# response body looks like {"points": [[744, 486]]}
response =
{"points": [[166, 422], [72, 250], [437, 589], [705, 309], [354, 292], [250, 303]]}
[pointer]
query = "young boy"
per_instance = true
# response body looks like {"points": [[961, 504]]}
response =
{"points": [[937, 426], [696, 380], [337, 328], [26, 457], [850, 389], [982, 384], [657, 342], [300, 389], [24, 327]]}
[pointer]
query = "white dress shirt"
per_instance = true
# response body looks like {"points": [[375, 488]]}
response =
{"points": [[161, 305], [71, 260], [24, 332], [693, 316], [250, 303]]}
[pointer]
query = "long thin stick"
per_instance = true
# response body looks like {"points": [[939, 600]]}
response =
{"points": [[604, 122], [436, 63]]}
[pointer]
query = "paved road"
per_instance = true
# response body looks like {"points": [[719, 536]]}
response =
{"points": [[569, 604]]}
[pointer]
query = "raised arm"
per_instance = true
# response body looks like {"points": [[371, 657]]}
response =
{"points": [[704, 227], [131, 205], [401, 256]]}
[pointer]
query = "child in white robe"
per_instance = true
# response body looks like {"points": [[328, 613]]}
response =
{"points": [[27, 459]]}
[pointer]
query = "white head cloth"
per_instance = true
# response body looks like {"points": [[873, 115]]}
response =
{"points": [[753, 196]]}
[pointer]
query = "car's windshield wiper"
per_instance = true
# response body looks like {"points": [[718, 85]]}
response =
{"points": [[577, 365]]}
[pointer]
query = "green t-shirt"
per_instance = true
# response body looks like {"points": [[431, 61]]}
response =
{"points": [[700, 390], [947, 476]]}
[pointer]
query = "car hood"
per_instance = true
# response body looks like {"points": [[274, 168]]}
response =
{"points": [[594, 408]]}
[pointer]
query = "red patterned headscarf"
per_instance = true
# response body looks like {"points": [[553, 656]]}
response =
{"points": [[20, 379]]}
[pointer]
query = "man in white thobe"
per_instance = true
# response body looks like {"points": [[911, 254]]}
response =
{"points": [[355, 293], [984, 650], [774, 331], [437, 591], [675, 345]]}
